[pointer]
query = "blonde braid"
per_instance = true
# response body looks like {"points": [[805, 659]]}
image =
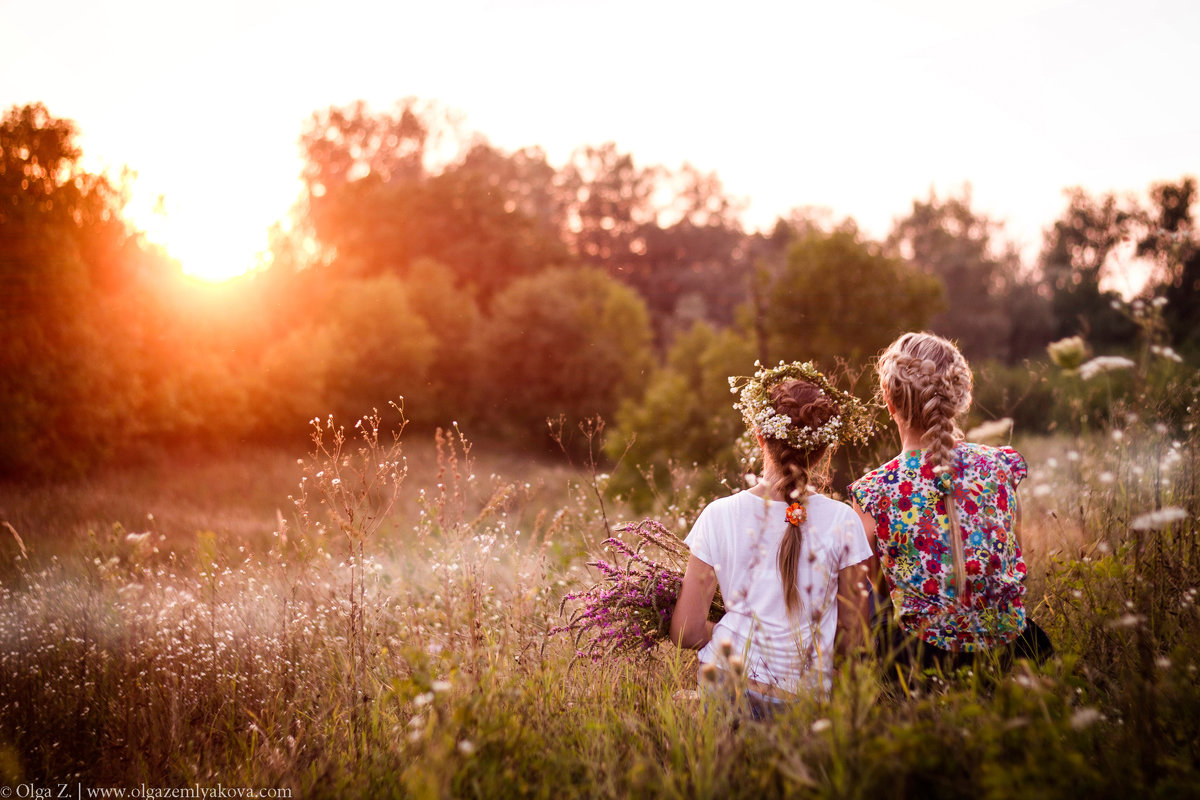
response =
{"points": [[941, 435], [929, 384]]}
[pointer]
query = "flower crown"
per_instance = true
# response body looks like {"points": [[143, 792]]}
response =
{"points": [[854, 422]]}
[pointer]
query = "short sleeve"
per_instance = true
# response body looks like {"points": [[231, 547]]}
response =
{"points": [[865, 494], [700, 541], [855, 547], [1016, 464]]}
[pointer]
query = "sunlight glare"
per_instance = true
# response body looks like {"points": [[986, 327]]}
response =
{"points": [[215, 237]]}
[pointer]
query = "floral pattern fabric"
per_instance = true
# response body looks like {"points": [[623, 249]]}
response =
{"points": [[912, 541]]}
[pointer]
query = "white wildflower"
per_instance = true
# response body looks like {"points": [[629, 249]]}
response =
{"points": [[1167, 353], [1101, 364], [1159, 519], [821, 725], [466, 747]]}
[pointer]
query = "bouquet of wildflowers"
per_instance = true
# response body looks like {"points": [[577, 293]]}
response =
{"points": [[629, 611]]}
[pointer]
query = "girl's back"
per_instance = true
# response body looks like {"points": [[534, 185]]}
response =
{"points": [[740, 536], [911, 531]]}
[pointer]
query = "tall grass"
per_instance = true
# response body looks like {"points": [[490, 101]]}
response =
{"points": [[386, 635]]}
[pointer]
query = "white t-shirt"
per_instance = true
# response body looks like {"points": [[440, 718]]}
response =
{"points": [[739, 537]]}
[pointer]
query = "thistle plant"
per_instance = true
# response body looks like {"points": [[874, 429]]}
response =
{"points": [[629, 611]]}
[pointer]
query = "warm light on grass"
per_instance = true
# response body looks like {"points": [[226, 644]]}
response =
{"points": [[343, 652]]}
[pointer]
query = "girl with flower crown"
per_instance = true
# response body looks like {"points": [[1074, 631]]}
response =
{"points": [[944, 518], [791, 563]]}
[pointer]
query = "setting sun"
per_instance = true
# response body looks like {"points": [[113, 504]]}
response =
{"points": [[208, 245]]}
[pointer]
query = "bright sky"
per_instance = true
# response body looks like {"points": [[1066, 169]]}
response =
{"points": [[855, 106]]}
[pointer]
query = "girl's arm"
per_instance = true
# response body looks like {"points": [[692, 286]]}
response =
{"points": [[689, 624], [875, 574], [852, 619], [1016, 502]]}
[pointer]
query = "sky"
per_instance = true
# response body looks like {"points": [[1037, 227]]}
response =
{"points": [[856, 107]]}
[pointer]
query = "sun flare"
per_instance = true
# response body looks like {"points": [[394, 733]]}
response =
{"points": [[213, 242]]}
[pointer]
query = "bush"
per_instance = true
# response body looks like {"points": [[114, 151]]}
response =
{"points": [[569, 342], [684, 417]]}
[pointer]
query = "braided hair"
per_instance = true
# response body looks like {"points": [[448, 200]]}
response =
{"points": [[928, 383], [806, 406]]}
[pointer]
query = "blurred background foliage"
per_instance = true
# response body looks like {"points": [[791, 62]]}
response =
{"points": [[498, 290]]}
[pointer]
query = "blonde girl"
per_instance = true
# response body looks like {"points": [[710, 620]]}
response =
{"points": [[943, 515], [790, 562]]}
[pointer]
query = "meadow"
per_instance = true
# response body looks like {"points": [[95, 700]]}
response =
{"points": [[371, 617]]}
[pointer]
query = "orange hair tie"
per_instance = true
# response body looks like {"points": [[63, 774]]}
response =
{"points": [[797, 514]]}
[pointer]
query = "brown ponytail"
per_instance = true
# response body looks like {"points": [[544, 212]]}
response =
{"points": [[806, 406]]}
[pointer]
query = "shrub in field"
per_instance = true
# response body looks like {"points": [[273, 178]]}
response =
{"points": [[563, 341], [685, 416]]}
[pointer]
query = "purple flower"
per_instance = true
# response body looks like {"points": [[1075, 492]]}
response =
{"points": [[629, 611]]}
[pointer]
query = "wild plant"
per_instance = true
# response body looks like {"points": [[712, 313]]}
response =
{"points": [[348, 490], [628, 612]]}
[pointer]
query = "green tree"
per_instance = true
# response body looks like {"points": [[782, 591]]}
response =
{"points": [[1173, 245], [382, 193], [62, 242], [565, 341], [608, 200], [452, 388], [1074, 259], [981, 275], [839, 297], [685, 415], [384, 349]]}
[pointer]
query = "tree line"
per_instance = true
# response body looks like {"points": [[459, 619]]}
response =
{"points": [[496, 289]]}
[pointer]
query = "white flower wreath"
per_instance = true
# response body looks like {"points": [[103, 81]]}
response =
{"points": [[855, 421]]}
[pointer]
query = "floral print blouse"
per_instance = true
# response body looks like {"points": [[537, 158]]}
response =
{"points": [[912, 542]]}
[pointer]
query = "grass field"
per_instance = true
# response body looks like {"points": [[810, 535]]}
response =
{"points": [[383, 633]]}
